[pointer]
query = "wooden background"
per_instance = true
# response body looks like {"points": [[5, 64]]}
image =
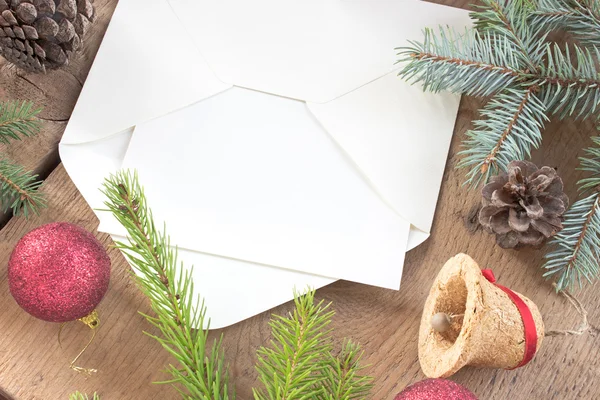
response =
{"points": [[33, 366]]}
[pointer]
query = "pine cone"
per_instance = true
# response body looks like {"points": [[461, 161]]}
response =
{"points": [[524, 207], [36, 35]]}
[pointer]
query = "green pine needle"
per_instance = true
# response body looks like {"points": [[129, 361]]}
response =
{"points": [[299, 363], [470, 63], [19, 190], [508, 57], [569, 88], [289, 368], [18, 119], [509, 18], [512, 126], [342, 378], [200, 373], [581, 18], [81, 396], [577, 247]]}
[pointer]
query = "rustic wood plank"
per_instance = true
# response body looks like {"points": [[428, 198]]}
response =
{"points": [[33, 366]]}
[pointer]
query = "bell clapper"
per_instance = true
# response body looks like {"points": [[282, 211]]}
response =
{"points": [[441, 321]]}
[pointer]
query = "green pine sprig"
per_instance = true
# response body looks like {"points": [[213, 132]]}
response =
{"points": [[18, 119], [290, 368], [511, 127], [580, 17], [576, 249], [343, 378], [299, 363], [19, 190], [466, 63], [570, 88], [509, 19], [200, 373]]}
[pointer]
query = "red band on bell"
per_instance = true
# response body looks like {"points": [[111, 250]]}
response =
{"points": [[526, 316]]}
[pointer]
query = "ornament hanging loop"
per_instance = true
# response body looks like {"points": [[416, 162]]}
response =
{"points": [[92, 320]]}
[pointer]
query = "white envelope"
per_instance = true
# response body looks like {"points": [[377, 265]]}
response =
{"points": [[331, 65]]}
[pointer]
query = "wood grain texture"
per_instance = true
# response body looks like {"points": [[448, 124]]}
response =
{"points": [[386, 322]]}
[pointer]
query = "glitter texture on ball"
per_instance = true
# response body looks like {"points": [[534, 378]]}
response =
{"points": [[59, 272], [436, 389]]}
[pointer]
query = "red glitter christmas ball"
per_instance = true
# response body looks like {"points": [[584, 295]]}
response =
{"points": [[436, 389], [59, 272]]}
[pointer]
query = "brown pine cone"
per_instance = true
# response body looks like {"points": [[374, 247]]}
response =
{"points": [[37, 35], [525, 206]]}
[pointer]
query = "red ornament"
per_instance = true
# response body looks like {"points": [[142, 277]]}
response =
{"points": [[59, 272], [436, 389]]}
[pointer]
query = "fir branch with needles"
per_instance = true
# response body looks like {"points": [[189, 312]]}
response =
{"points": [[506, 56], [576, 249], [19, 189], [18, 119], [200, 373], [343, 378], [581, 18], [300, 362], [512, 125], [287, 368]]}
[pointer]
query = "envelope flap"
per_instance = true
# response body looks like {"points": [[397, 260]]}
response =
{"points": [[307, 50], [398, 136], [142, 70]]}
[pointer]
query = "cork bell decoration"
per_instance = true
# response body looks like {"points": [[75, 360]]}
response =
{"points": [[488, 325]]}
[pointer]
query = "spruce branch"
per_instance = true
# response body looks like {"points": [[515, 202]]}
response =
{"points": [[512, 125], [292, 367], [201, 373], [19, 189], [18, 119], [342, 378], [567, 87], [507, 55], [470, 63], [299, 363], [576, 249], [580, 18], [509, 18]]}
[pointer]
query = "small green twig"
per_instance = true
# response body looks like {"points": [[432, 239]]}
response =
{"points": [[18, 119]]}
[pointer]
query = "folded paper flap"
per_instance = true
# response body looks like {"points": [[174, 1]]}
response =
{"points": [[398, 137], [269, 186], [139, 74], [307, 50], [89, 164]]}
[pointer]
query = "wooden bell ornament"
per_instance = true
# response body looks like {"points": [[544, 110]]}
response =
{"points": [[487, 324]]}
